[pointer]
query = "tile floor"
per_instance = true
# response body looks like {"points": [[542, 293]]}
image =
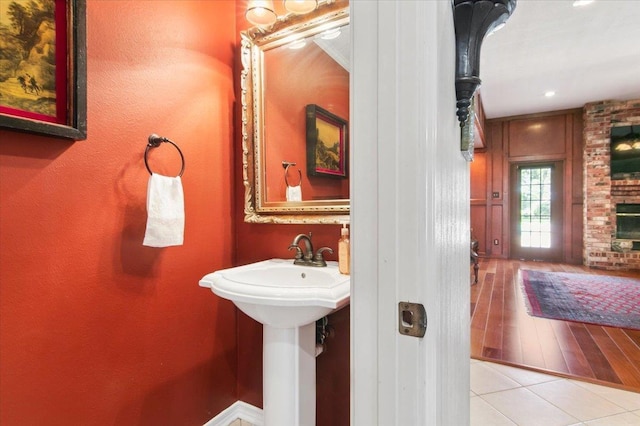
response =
{"points": [[503, 395]]}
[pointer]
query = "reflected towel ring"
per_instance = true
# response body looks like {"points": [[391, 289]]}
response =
{"points": [[286, 165], [154, 142]]}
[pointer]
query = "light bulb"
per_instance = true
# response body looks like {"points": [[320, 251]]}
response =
{"points": [[261, 13], [300, 6]]}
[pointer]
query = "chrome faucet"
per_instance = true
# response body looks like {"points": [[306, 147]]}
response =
{"points": [[305, 256]]}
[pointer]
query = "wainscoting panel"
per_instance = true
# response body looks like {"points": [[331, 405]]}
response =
{"points": [[554, 136]]}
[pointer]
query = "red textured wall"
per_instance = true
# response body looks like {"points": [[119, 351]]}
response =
{"points": [[95, 328]]}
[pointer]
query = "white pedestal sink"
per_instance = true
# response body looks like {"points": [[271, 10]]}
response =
{"points": [[287, 299]]}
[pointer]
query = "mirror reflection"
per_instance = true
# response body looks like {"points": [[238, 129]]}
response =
{"points": [[303, 73], [295, 133]]}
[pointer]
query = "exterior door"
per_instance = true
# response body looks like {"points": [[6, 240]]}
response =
{"points": [[536, 213]]}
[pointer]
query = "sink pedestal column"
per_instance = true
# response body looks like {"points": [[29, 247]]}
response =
{"points": [[289, 376]]}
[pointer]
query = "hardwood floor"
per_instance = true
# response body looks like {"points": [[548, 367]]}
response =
{"points": [[502, 331]]}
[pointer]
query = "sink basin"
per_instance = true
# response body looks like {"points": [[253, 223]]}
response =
{"points": [[278, 293], [287, 299]]}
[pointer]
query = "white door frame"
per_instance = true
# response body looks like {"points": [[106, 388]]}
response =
{"points": [[409, 215]]}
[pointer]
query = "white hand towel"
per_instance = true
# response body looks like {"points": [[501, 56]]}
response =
{"points": [[165, 212], [294, 193]]}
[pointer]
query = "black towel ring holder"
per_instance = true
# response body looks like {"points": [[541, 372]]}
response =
{"points": [[154, 142], [286, 165]]}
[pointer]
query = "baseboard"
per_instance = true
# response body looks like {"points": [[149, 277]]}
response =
{"points": [[238, 410]]}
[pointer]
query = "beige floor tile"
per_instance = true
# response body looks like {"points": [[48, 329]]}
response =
{"points": [[577, 401], [486, 380], [521, 375], [525, 408], [624, 419], [483, 414], [630, 401]]}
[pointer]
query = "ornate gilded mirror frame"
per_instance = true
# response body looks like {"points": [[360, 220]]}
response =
{"points": [[254, 43]]}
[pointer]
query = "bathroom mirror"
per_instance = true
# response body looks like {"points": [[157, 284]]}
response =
{"points": [[295, 115]]}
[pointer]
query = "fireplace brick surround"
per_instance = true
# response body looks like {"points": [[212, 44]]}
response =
{"points": [[601, 194]]}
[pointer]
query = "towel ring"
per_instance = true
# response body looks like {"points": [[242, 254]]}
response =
{"points": [[154, 142], [286, 165]]}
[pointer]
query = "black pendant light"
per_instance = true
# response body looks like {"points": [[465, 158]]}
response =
{"points": [[473, 19]]}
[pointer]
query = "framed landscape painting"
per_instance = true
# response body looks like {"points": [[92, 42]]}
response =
{"points": [[327, 141], [43, 67]]}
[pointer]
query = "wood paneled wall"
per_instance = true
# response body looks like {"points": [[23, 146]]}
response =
{"points": [[554, 136]]}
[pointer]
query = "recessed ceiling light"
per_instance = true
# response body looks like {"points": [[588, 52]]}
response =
{"points": [[298, 44], [549, 93], [331, 34], [578, 3]]}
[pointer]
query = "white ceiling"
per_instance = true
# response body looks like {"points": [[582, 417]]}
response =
{"points": [[584, 54]]}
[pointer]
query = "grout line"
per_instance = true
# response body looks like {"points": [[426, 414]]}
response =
{"points": [[553, 378]]}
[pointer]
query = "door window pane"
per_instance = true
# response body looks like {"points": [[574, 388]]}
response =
{"points": [[535, 207]]}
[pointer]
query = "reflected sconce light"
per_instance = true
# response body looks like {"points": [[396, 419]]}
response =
{"points": [[473, 20], [261, 13]]}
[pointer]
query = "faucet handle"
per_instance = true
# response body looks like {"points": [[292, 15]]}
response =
{"points": [[319, 256], [298, 251]]}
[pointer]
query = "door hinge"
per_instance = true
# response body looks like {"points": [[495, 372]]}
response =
{"points": [[412, 319]]}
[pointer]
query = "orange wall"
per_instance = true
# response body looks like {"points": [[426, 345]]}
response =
{"points": [[94, 327]]}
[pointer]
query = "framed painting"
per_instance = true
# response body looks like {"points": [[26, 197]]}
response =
{"points": [[327, 142], [43, 67]]}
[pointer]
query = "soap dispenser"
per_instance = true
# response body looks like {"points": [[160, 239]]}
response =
{"points": [[344, 249]]}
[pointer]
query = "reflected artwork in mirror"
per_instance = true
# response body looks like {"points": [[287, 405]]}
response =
{"points": [[300, 60]]}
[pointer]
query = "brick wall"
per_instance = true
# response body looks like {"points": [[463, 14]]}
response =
{"points": [[601, 194]]}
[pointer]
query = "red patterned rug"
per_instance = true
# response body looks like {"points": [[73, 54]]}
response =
{"points": [[594, 299]]}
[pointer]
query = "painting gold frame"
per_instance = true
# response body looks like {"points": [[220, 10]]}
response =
{"points": [[70, 93], [327, 143]]}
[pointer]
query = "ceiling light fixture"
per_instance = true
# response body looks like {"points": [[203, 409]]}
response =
{"points": [[549, 93], [578, 3], [300, 6], [261, 13]]}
